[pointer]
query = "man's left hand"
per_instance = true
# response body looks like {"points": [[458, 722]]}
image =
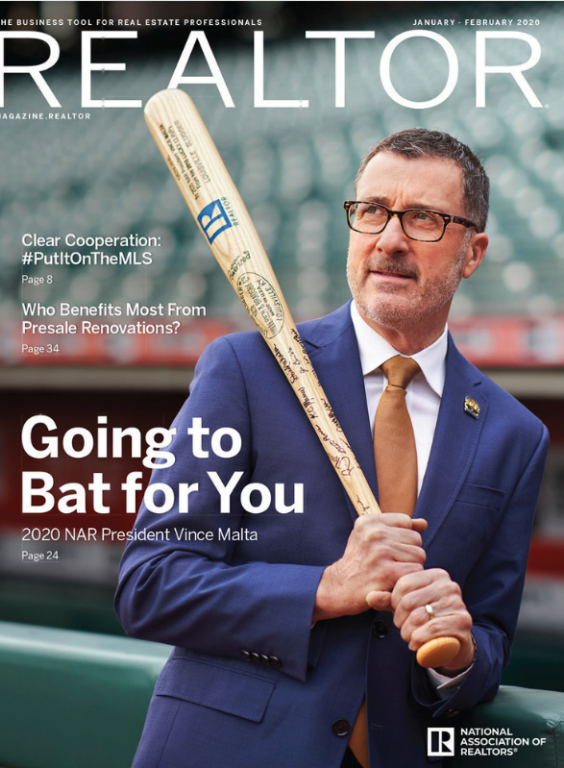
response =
{"points": [[436, 589]]}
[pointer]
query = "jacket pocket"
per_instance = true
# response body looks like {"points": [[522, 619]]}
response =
{"points": [[466, 531], [216, 687], [481, 496]]}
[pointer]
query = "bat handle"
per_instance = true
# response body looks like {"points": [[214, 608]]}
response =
{"points": [[438, 652]]}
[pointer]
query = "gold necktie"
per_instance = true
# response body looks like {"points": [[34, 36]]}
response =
{"points": [[396, 470], [394, 442]]}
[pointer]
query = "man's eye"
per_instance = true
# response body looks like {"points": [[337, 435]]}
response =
{"points": [[422, 216]]}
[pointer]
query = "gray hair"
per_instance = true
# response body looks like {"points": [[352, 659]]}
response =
{"points": [[419, 142]]}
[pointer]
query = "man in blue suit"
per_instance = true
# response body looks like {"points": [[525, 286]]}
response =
{"points": [[296, 622]]}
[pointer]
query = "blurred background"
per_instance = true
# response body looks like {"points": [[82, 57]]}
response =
{"points": [[102, 175]]}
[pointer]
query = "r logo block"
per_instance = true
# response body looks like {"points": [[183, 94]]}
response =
{"points": [[440, 742], [213, 220]]}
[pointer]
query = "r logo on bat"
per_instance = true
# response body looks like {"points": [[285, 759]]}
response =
{"points": [[440, 742], [213, 220]]}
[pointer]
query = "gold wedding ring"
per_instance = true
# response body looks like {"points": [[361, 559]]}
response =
{"points": [[430, 611]]}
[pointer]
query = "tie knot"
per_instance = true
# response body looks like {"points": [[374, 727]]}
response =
{"points": [[400, 370]]}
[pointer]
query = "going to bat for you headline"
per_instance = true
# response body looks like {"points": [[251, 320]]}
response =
{"points": [[40, 440]]}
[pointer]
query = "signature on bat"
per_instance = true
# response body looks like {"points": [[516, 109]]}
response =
{"points": [[365, 508], [344, 465], [296, 361], [327, 439], [308, 403], [331, 414]]}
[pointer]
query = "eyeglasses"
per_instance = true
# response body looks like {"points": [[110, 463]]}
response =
{"points": [[427, 226]]}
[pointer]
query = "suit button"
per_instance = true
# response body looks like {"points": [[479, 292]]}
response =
{"points": [[274, 661], [255, 657], [246, 655], [341, 727], [264, 659], [380, 629]]}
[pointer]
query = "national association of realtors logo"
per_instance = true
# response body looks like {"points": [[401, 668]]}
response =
{"points": [[213, 220], [440, 742]]}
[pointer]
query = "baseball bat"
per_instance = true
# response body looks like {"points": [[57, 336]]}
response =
{"points": [[216, 205]]}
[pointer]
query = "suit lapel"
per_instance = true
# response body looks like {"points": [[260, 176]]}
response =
{"points": [[333, 350], [454, 444]]}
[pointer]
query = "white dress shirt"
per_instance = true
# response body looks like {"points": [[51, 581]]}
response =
{"points": [[423, 399], [424, 393]]}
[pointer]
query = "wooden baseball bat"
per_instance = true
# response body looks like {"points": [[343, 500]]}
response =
{"points": [[215, 203]]}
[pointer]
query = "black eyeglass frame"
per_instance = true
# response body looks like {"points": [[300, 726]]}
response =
{"points": [[448, 218]]}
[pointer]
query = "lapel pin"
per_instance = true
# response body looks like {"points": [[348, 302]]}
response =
{"points": [[471, 407]]}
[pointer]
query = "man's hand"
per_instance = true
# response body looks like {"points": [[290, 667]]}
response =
{"points": [[435, 588], [381, 549]]}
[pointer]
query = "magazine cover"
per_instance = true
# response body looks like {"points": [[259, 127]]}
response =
{"points": [[127, 249]]}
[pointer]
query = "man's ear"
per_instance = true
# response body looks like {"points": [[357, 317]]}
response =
{"points": [[475, 254]]}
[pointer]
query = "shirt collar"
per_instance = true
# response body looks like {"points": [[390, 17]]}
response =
{"points": [[375, 350]]}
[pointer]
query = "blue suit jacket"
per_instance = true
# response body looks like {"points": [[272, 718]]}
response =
{"points": [[225, 604]]}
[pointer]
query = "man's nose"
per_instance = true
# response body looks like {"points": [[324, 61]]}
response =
{"points": [[393, 239]]}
